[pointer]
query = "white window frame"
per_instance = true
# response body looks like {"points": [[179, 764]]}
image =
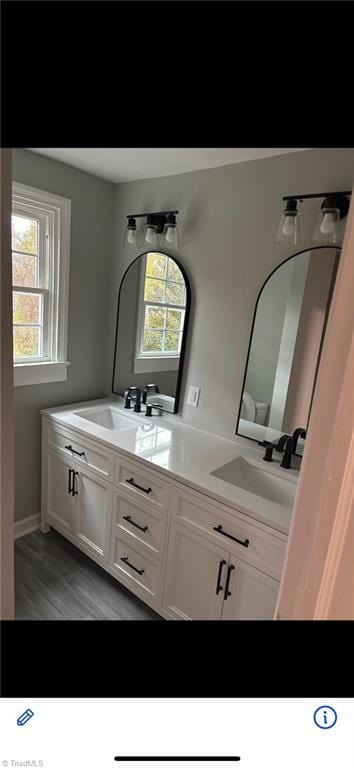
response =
{"points": [[55, 214], [149, 362]]}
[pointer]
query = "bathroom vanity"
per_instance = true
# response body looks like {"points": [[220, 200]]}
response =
{"points": [[193, 524]]}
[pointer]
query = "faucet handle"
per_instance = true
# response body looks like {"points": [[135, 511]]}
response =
{"points": [[147, 388], [286, 460], [268, 456], [269, 448]]}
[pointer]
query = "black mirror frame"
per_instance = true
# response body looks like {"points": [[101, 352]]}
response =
{"points": [[185, 327], [337, 248]]}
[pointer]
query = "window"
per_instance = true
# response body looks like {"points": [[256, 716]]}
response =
{"points": [[162, 310], [40, 229]]}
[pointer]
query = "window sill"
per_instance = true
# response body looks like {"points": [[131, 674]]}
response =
{"points": [[155, 364], [39, 373]]}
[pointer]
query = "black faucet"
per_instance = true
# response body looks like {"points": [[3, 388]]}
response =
{"points": [[299, 432], [288, 451], [277, 445], [137, 406], [286, 443], [146, 389], [280, 445]]}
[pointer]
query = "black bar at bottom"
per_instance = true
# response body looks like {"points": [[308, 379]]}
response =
{"points": [[184, 758]]}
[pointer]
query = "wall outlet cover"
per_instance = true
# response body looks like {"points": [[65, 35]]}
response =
{"points": [[193, 396]]}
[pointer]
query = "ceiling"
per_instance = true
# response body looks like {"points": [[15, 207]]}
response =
{"points": [[129, 164]]}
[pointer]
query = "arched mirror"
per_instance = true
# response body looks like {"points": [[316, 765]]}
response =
{"points": [[286, 342], [152, 322]]}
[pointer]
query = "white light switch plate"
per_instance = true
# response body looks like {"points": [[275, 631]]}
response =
{"points": [[193, 396]]}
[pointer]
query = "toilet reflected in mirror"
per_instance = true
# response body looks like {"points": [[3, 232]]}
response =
{"points": [[286, 342]]}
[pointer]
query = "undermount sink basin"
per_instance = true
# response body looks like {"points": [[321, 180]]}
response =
{"points": [[253, 478], [108, 417]]}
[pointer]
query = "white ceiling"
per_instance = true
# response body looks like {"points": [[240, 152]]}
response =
{"points": [[129, 164]]}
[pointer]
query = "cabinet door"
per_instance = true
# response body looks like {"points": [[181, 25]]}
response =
{"points": [[60, 503], [93, 502], [194, 569], [249, 593], [92, 512]]}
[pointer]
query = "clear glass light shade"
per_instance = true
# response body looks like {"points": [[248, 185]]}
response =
{"points": [[130, 237], [170, 236], [326, 230], [148, 237], [130, 234], [289, 228]]}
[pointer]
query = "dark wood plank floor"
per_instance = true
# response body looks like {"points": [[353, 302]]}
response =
{"points": [[55, 580]]}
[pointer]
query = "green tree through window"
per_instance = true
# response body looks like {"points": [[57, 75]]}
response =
{"points": [[164, 301], [27, 306]]}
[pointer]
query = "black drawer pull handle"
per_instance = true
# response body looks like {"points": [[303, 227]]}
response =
{"points": [[129, 520], [219, 529], [70, 448], [70, 481], [73, 491], [218, 585], [126, 561], [227, 591], [131, 482]]}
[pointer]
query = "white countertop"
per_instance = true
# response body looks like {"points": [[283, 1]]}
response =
{"points": [[184, 453]]}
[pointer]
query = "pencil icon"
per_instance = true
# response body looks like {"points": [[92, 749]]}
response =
{"points": [[25, 717]]}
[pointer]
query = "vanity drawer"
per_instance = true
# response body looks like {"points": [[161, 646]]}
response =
{"points": [[82, 451], [141, 484], [138, 523], [263, 550], [139, 571]]}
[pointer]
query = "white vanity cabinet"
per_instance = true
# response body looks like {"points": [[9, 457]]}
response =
{"points": [[249, 593], [93, 513], [60, 506], [205, 582], [211, 559], [139, 524], [193, 568], [76, 499], [183, 553]]}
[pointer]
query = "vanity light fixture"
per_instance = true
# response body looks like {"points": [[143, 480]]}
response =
{"points": [[159, 228], [130, 233], [334, 207], [150, 233], [289, 226], [170, 232]]}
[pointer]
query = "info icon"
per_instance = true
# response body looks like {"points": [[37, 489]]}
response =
{"points": [[325, 717]]}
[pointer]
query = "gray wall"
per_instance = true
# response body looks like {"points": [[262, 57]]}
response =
{"points": [[91, 227], [229, 217]]}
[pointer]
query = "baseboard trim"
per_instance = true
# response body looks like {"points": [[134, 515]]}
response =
{"points": [[27, 525]]}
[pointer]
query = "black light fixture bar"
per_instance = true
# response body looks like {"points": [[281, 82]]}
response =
{"points": [[315, 194], [155, 213]]}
